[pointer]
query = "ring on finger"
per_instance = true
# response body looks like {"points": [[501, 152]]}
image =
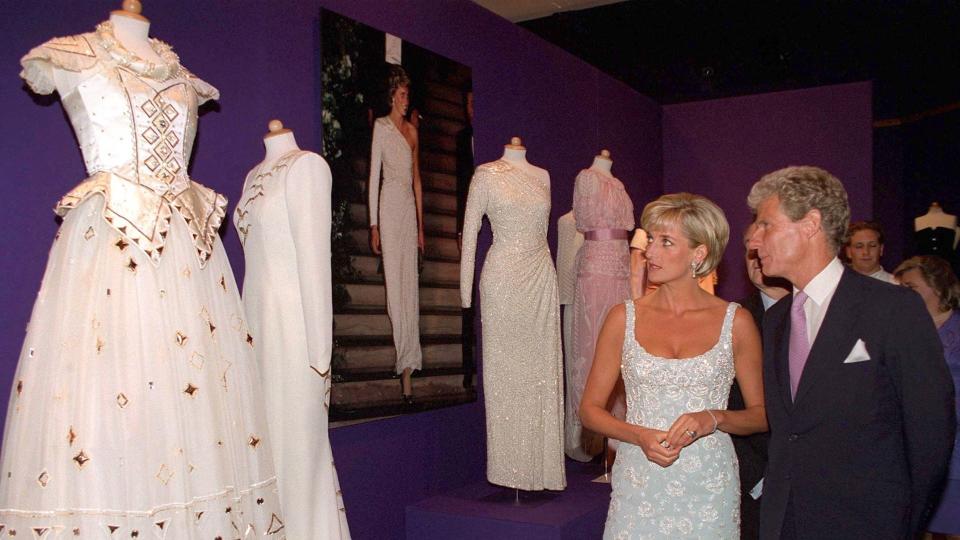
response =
{"points": [[692, 434], [665, 444]]}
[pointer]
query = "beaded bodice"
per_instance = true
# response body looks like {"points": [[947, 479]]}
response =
{"points": [[135, 122], [518, 206], [661, 389]]}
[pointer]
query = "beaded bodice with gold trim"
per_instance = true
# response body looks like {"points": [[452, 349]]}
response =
{"points": [[135, 122]]}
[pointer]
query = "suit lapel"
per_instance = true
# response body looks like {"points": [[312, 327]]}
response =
{"points": [[779, 323], [835, 338]]}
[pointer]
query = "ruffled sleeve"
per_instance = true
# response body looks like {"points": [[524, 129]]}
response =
{"points": [[205, 91], [71, 53]]}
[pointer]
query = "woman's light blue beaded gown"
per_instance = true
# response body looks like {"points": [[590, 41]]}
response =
{"points": [[698, 496]]}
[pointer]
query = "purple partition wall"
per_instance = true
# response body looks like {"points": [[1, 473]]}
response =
{"points": [[719, 148], [263, 57]]}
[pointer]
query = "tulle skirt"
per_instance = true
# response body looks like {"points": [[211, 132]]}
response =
{"points": [[135, 410]]}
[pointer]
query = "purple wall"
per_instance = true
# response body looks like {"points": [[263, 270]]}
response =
{"points": [[263, 57], [719, 148]]}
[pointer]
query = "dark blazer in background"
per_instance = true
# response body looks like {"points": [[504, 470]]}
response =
{"points": [[751, 449], [863, 449]]}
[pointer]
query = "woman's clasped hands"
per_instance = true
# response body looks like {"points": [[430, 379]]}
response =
{"points": [[663, 447]]}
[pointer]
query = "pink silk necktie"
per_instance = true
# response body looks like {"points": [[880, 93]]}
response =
{"points": [[799, 343]]}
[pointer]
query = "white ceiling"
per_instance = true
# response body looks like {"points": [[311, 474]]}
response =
{"points": [[522, 10]]}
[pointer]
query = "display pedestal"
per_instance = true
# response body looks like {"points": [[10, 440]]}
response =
{"points": [[484, 511]]}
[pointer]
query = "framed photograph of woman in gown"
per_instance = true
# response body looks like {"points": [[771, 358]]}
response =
{"points": [[397, 133]]}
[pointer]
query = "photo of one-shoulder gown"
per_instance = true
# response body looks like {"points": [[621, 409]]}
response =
{"points": [[393, 208]]}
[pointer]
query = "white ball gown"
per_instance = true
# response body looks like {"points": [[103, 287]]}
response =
{"points": [[136, 410]]}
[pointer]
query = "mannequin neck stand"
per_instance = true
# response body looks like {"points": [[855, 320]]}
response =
{"points": [[602, 165], [277, 145], [134, 35], [515, 156]]}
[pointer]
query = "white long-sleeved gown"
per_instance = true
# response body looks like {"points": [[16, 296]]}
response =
{"points": [[283, 218]]}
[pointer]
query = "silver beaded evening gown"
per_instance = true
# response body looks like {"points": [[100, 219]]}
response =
{"points": [[520, 311]]}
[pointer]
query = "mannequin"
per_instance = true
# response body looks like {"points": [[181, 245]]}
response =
{"points": [[277, 142], [936, 218], [177, 442], [133, 30], [283, 217], [604, 215], [519, 306], [516, 153], [602, 163]]}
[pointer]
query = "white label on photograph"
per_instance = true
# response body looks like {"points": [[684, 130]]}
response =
{"points": [[394, 45]]}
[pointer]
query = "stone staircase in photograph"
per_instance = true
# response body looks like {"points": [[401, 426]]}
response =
{"points": [[365, 384]]}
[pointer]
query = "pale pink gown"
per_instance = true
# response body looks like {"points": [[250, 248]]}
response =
{"points": [[603, 280]]}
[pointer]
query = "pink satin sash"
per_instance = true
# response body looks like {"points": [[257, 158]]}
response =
{"points": [[607, 234]]}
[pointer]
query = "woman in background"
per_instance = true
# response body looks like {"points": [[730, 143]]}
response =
{"points": [[933, 279], [396, 223]]}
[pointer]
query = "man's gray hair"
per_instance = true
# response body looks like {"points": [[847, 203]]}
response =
{"points": [[801, 189]]}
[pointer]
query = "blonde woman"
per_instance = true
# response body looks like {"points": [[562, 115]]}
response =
{"points": [[396, 223], [679, 349]]}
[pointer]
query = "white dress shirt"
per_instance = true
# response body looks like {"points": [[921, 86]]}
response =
{"points": [[883, 275], [820, 291]]}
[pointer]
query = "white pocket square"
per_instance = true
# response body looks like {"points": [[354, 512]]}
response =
{"points": [[858, 353]]}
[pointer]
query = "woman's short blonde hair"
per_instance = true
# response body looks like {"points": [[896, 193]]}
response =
{"points": [[700, 220]]}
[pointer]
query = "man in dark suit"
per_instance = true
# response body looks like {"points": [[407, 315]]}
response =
{"points": [[858, 396], [465, 169], [752, 449]]}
